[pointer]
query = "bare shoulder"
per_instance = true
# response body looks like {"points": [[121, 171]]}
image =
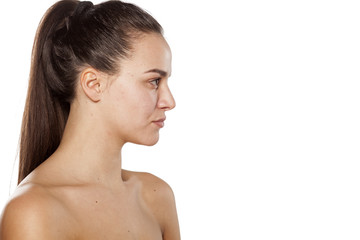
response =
{"points": [[151, 181], [159, 196], [31, 213], [153, 187]]}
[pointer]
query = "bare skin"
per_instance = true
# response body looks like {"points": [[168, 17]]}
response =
{"points": [[81, 191]]}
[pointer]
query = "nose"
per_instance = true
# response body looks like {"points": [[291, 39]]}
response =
{"points": [[166, 100]]}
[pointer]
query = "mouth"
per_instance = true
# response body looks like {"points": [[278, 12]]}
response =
{"points": [[160, 122]]}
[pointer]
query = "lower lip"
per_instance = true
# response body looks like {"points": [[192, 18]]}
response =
{"points": [[160, 124]]}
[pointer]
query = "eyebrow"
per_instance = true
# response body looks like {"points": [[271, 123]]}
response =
{"points": [[159, 71]]}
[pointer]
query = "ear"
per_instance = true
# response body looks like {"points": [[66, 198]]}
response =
{"points": [[90, 84]]}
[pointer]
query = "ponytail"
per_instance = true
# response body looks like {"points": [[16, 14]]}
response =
{"points": [[45, 114], [71, 35]]}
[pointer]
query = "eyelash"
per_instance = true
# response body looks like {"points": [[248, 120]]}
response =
{"points": [[155, 82]]}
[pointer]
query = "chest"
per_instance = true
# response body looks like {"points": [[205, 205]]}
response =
{"points": [[114, 218]]}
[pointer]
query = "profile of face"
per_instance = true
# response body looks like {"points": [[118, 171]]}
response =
{"points": [[135, 100]]}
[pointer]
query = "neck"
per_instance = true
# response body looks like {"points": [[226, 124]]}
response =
{"points": [[88, 152]]}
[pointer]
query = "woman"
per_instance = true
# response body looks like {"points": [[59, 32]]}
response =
{"points": [[98, 80]]}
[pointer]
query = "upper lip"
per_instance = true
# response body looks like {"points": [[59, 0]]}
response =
{"points": [[160, 119]]}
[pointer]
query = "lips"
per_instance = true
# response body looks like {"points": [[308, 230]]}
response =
{"points": [[160, 122]]}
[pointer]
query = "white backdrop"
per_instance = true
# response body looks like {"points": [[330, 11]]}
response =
{"points": [[264, 141]]}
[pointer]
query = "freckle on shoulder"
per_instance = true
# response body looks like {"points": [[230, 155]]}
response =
{"points": [[153, 184]]}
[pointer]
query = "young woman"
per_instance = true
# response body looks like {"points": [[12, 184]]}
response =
{"points": [[99, 79]]}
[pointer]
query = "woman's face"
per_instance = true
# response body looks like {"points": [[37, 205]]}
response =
{"points": [[136, 100]]}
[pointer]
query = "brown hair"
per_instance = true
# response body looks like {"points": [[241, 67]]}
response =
{"points": [[72, 35]]}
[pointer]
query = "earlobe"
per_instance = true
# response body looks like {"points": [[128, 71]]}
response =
{"points": [[90, 83]]}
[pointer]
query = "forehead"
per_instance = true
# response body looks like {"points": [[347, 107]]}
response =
{"points": [[150, 51]]}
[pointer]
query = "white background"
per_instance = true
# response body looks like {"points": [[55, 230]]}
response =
{"points": [[264, 141]]}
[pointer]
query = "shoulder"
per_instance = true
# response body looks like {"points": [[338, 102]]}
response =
{"points": [[32, 213], [160, 198], [153, 187]]}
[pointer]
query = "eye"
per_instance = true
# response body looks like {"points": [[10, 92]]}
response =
{"points": [[155, 82]]}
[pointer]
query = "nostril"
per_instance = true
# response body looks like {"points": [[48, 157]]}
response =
{"points": [[166, 102]]}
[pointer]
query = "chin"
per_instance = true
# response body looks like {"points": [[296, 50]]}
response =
{"points": [[151, 143], [148, 141]]}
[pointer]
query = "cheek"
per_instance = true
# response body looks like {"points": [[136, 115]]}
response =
{"points": [[146, 103], [137, 103]]}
